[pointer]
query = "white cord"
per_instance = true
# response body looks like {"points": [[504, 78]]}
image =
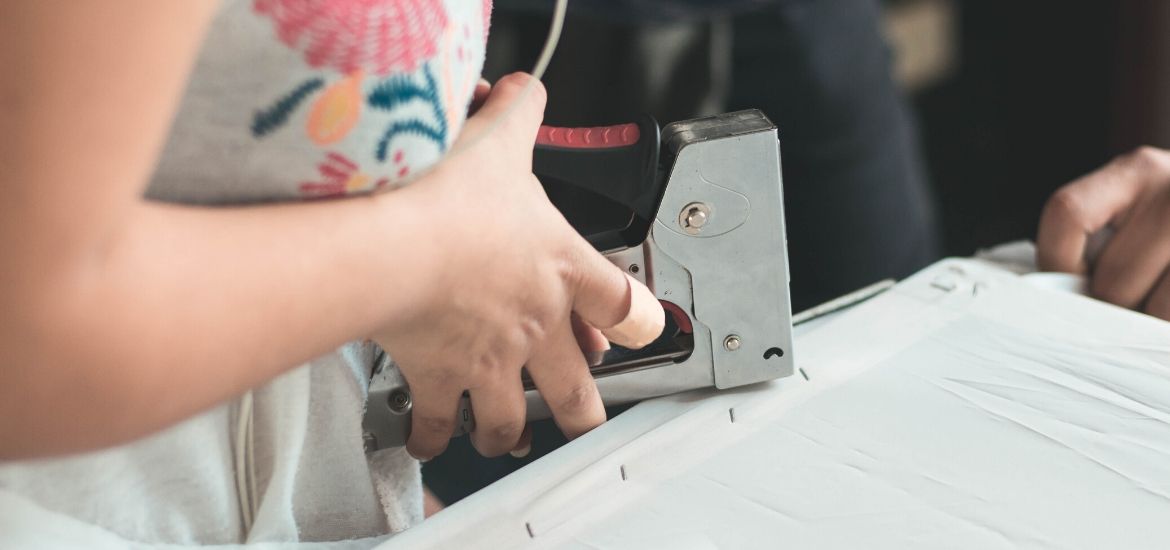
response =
{"points": [[554, 37], [542, 62], [245, 463]]}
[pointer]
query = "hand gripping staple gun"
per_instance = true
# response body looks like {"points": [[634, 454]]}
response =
{"points": [[694, 212]]}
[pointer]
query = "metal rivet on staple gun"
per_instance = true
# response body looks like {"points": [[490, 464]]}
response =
{"points": [[399, 401], [731, 343], [693, 217]]}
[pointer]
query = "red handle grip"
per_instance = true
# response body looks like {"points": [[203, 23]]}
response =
{"points": [[602, 137]]}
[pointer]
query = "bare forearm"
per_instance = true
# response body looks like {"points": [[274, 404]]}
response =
{"points": [[182, 308], [119, 317]]}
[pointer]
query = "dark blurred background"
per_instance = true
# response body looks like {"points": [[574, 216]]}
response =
{"points": [[909, 129], [1034, 94], [1011, 98]]}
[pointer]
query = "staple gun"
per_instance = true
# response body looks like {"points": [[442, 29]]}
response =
{"points": [[695, 211]]}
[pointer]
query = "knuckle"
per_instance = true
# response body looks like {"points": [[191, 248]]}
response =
{"points": [[1146, 159], [1066, 203], [572, 266], [1147, 155], [516, 82], [489, 362], [495, 440], [532, 329], [512, 81], [507, 433], [579, 399], [566, 264], [518, 343], [437, 425]]}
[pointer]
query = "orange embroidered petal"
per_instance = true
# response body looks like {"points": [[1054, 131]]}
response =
{"points": [[336, 112], [357, 182]]}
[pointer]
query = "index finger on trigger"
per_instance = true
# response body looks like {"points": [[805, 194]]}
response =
{"points": [[625, 311], [644, 322]]}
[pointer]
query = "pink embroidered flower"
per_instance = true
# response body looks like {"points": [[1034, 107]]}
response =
{"points": [[377, 36], [340, 176]]}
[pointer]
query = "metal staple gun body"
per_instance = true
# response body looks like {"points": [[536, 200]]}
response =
{"points": [[696, 213]]}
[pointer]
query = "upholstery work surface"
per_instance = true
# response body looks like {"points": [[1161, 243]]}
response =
{"points": [[964, 408]]}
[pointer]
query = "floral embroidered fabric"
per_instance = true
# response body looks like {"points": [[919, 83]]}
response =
{"points": [[319, 98]]}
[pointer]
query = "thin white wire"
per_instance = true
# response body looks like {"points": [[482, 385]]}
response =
{"points": [[245, 487], [554, 37], [542, 62]]}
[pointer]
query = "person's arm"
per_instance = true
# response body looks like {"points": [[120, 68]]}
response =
{"points": [[1130, 195], [123, 316]]}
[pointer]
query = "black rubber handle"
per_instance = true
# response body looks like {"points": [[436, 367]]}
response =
{"points": [[604, 180]]}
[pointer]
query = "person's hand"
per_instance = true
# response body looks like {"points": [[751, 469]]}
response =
{"points": [[510, 280], [1131, 196]]}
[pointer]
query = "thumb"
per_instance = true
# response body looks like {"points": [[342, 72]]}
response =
{"points": [[1086, 206], [513, 109]]}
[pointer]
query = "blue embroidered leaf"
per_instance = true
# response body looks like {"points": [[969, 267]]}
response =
{"points": [[398, 90], [415, 127], [395, 91], [437, 106], [267, 120]]}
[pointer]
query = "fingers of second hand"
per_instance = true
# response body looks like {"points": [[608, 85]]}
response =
{"points": [[499, 410], [1091, 203], [1134, 259], [1158, 303], [433, 416], [559, 371], [1083, 207], [1060, 239]]}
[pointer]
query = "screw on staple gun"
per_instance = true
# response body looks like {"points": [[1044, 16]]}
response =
{"points": [[696, 214]]}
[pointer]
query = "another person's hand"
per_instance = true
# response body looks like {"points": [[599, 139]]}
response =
{"points": [[1130, 196], [510, 277]]}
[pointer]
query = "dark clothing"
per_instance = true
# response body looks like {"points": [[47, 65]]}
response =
{"points": [[642, 11], [855, 190]]}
